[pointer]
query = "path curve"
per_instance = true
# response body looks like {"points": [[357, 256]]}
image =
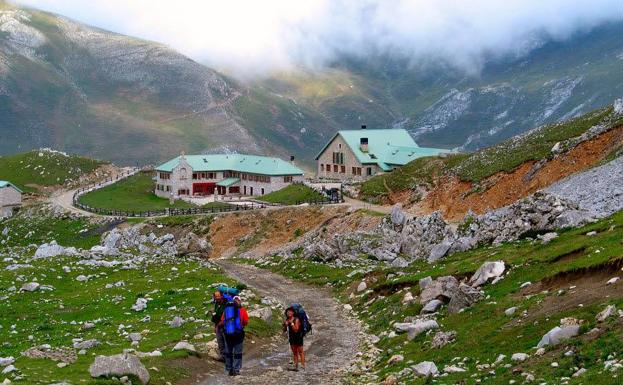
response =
{"points": [[331, 347]]}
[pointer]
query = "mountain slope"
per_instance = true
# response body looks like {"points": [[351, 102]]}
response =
{"points": [[85, 90], [443, 107]]}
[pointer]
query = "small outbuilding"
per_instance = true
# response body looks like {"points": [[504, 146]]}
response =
{"points": [[10, 199]]}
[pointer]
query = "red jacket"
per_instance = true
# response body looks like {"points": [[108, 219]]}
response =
{"points": [[244, 317]]}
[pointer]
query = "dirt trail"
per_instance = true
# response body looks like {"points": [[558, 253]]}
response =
{"points": [[330, 348]]}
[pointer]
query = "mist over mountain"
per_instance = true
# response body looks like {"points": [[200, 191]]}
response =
{"points": [[82, 89]]}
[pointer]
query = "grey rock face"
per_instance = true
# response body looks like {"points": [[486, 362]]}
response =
{"points": [[598, 191], [119, 365], [398, 217], [465, 297], [441, 288]]}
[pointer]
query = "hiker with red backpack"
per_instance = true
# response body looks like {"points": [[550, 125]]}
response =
{"points": [[235, 318], [297, 326]]}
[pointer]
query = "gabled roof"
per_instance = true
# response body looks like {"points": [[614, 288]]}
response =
{"points": [[228, 182], [253, 164], [385, 147], [4, 183]]}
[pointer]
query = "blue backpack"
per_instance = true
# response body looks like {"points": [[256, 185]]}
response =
{"points": [[228, 291], [300, 313], [233, 323]]}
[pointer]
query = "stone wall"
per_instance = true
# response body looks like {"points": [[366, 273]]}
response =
{"points": [[9, 196], [338, 144]]}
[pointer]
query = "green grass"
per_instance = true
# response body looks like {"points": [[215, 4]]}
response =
{"points": [[44, 168], [484, 331], [419, 172], [293, 194], [534, 145], [177, 286], [135, 193]]}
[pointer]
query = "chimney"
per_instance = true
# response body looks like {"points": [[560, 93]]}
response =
{"points": [[363, 126], [292, 159], [363, 144]]}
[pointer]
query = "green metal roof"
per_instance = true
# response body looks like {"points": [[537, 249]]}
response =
{"points": [[228, 182], [4, 183], [385, 147], [253, 164]]}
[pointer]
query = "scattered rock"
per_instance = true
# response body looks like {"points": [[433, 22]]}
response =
{"points": [[432, 306], [426, 369], [559, 334], [510, 311], [140, 305], [608, 312], [487, 271], [442, 339], [119, 365], [519, 357], [395, 359], [362, 287], [87, 344], [31, 286], [185, 345]]}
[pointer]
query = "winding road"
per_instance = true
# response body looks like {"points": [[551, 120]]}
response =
{"points": [[333, 344]]}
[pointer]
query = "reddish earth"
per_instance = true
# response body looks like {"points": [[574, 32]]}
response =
{"points": [[263, 231], [454, 198]]}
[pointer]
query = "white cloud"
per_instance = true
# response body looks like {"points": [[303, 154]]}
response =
{"points": [[258, 36]]}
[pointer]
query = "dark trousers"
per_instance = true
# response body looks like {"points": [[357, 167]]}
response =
{"points": [[233, 352], [220, 340]]}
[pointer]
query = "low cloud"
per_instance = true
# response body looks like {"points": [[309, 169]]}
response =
{"points": [[256, 37]]}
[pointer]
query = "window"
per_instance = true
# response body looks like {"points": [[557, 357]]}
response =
{"points": [[335, 168], [358, 170], [339, 145], [287, 179], [369, 171], [168, 188], [195, 176], [343, 170], [354, 171], [165, 175], [244, 177], [338, 157], [182, 192], [183, 173], [262, 191], [321, 167]]}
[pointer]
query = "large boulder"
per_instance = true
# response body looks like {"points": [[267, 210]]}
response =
{"points": [[443, 288], [559, 334], [52, 249], [439, 251], [463, 298], [487, 271], [265, 314], [119, 365]]}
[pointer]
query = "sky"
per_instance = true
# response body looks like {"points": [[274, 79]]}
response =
{"points": [[257, 37]]}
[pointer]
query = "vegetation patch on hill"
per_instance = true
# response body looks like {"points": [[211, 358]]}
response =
{"points": [[293, 194], [542, 282], [506, 157], [44, 167]]}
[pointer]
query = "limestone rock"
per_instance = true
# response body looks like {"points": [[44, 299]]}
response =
{"points": [[487, 271], [425, 369], [608, 312], [119, 365], [559, 334]]}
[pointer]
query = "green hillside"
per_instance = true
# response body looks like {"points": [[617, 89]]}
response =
{"points": [[506, 156], [565, 278], [44, 168]]}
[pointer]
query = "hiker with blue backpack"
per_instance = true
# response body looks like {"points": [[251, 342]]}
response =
{"points": [[297, 326], [235, 318]]}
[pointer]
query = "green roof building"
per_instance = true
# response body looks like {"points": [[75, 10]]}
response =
{"points": [[224, 174], [357, 154]]}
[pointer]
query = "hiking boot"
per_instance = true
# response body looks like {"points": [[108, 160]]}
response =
{"points": [[236, 372], [232, 373]]}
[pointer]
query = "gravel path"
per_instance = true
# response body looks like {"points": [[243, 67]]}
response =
{"points": [[599, 190], [331, 347]]}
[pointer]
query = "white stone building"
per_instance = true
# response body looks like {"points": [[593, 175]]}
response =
{"points": [[224, 174], [10, 199]]}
